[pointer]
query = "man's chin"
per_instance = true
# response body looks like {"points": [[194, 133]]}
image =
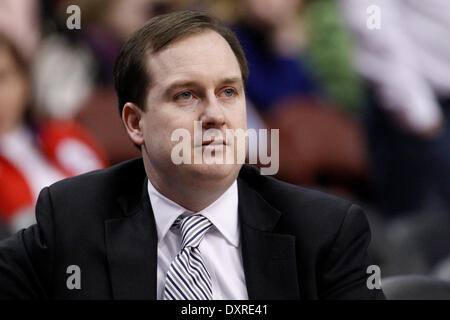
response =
{"points": [[214, 171]]}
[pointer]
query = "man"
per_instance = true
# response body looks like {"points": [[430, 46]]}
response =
{"points": [[151, 229]]}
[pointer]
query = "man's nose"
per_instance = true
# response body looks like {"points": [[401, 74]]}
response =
{"points": [[212, 113]]}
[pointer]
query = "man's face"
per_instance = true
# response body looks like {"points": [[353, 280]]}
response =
{"points": [[196, 78]]}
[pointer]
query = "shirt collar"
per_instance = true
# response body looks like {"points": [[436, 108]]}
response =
{"points": [[165, 210], [223, 213]]}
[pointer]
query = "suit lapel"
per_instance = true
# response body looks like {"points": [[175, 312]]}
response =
{"points": [[131, 245], [269, 258]]}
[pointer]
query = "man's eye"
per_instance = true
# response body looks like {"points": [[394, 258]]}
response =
{"points": [[229, 92], [184, 95]]}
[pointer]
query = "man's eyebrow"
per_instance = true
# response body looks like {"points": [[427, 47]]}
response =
{"points": [[180, 84], [231, 80], [188, 83]]}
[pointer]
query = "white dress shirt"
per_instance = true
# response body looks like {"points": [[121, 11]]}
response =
{"points": [[220, 248]]}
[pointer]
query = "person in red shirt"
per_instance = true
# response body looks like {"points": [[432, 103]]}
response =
{"points": [[33, 152]]}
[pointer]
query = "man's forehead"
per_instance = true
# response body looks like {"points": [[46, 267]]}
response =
{"points": [[200, 55]]}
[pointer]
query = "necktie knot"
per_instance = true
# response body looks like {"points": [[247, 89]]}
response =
{"points": [[193, 229]]}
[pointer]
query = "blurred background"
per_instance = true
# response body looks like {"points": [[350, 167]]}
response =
{"points": [[363, 109]]}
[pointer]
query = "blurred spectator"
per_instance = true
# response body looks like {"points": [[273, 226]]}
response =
{"points": [[20, 20], [269, 32], [330, 52], [407, 66], [319, 145], [74, 67], [106, 26], [34, 151]]}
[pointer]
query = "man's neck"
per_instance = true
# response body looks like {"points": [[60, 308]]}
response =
{"points": [[191, 195], [192, 201]]}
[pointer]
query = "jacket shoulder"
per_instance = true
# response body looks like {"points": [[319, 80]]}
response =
{"points": [[283, 195], [97, 191], [112, 176], [301, 208]]}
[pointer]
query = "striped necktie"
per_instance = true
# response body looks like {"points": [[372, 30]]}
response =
{"points": [[187, 278]]}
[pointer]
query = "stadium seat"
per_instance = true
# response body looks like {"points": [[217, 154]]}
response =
{"points": [[415, 287]]}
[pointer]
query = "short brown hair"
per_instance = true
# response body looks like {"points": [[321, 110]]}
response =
{"points": [[131, 79]]}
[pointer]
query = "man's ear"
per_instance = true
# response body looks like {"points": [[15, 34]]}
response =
{"points": [[131, 117]]}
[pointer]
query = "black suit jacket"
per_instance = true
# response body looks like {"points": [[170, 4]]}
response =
{"points": [[296, 243]]}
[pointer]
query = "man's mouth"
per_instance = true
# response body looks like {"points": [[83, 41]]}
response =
{"points": [[214, 142]]}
